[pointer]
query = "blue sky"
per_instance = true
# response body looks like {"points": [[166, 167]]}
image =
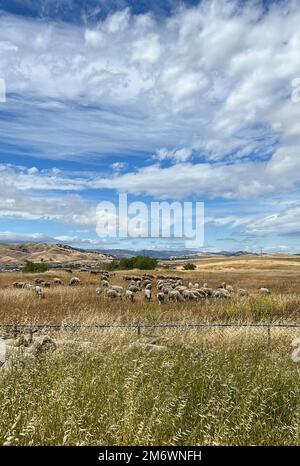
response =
{"points": [[163, 100]]}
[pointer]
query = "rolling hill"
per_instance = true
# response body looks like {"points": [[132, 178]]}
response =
{"points": [[42, 252]]}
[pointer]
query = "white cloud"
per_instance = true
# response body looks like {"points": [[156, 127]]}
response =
{"points": [[240, 180], [26, 195], [117, 166], [284, 223], [177, 155], [14, 237], [207, 90], [209, 77]]}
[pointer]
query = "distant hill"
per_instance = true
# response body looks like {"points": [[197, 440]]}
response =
{"points": [[167, 254], [61, 253], [55, 253]]}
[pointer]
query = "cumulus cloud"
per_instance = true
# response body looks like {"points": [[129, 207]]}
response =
{"points": [[118, 166], [284, 223], [211, 77], [32, 196], [208, 90], [177, 155], [14, 237], [232, 181]]}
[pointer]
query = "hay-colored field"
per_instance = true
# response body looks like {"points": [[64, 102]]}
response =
{"points": [[82, 303], [212, 386], [167, 388]]}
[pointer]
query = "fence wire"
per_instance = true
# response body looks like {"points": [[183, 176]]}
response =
{"points": [[140, 328]]}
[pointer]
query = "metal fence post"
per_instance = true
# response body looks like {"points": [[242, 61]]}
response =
{"points": [[138, 330], [269, 336]]}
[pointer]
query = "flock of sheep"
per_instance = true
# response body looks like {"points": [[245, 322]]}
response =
{"points": [[40, 285], [168, 288]]}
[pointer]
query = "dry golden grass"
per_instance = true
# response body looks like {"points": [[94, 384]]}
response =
{"points": [[187, 389], [208, 386], [82, 304]]}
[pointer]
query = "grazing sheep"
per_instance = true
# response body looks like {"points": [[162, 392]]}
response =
{"points": [[148, 295], [223, 286], [243, 293], [112, 293], [28, 286], [134, 288], [45, 284], [99, 291], [264, 291], [146, 283], [174, 295], [117, 288], [75, 281], [38, 281], [229, 288], [166, 289], [181, 288], [130, 295], [207, 291], [221, 293], [161, 298], [39, 292], [57, 281], [189, 294], [148, 286], [18, 285], [198, 293], [105, 283]]}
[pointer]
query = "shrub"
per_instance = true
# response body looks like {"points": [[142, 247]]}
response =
{"points": [[113, 265], [33, 267], [138, 262], [189, 266]]}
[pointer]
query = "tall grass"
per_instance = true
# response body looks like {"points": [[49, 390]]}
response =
{"points": [[120, 391], [208, 387], [82, 304]]}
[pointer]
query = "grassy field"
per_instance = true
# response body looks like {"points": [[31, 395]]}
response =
{"points": [[165, 387], [65, 304], [186, 390]]}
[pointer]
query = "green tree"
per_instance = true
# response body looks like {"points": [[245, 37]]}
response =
{"points": [[138, 262], [189, 266], [33, 267]]}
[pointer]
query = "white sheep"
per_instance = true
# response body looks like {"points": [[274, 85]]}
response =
{"points": [[113, 293], [148, 295], [117, 288], [39, 292], [57, 281], [130, 295], [221, 293], [264, 291], [75, 281], [243, 293], [161, 298]]}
